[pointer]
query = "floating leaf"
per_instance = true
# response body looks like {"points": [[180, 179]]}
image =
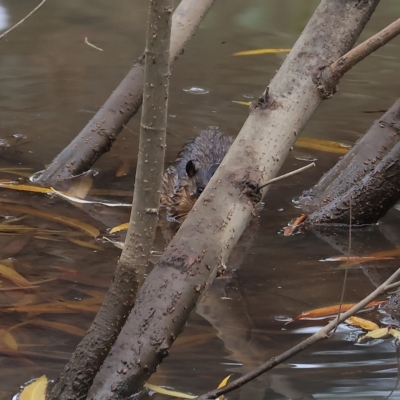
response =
{"points": [[35, 390], [120, 227], [243, 103], [395, 333], [332, 310], [293, 227], [75, 223], [25, 188], [17, 171], [14, 276], [223, 384], [88, 245], [322, 145], [173, 393], [376, 334], [260, 51], [7, 340], [362, 323]]}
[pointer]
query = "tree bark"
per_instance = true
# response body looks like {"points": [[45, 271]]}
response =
{"points": [[97, 137], [90, 353], [361, 160], [368, 174], [218, 218]]}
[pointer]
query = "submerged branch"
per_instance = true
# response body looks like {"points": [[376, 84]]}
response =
{"points": [[321, 334]]}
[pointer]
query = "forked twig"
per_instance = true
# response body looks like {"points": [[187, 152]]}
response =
{"points": [[22, 20]]}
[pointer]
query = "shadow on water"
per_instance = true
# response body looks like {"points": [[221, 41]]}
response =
{"points": [[52, 83]]}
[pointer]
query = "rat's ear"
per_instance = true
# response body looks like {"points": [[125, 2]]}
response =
{"points": [[191, 169]]}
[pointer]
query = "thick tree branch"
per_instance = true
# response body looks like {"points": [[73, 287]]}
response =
{"points": [[98, 135]]}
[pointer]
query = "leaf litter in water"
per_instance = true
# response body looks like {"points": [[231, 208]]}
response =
{"points": [[14, 276], [362, 323], [72, 222], [181, 395], [257, 52], [325, 312]]}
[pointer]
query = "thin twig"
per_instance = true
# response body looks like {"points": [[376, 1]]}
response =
{"points": [[364, 49], [321, 334], [22, 20], [296, 171]]}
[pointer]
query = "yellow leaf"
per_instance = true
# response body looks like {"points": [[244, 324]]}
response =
{"points": [[223, 384], [362, 323], [14, 276], [35, 390], [243, 103], [322, 145], [173, 393], [120, 227], [25, 188], [7, 340], [75, 223], [376, 334], [395, 333], [260, 51], [88, 245]]}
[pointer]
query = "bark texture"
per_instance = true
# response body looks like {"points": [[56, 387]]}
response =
{"points": [[363, 158], [97, 137], [218, 219], [87, 359]]}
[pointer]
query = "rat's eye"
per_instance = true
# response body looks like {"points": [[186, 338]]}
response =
{"points": [[199, 191]]}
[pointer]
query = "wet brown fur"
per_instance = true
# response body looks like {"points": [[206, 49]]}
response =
{"points": [[187, 176]]}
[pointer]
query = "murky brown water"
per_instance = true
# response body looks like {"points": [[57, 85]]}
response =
{"points": [[51, 83]]}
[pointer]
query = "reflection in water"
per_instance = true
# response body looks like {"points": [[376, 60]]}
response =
{"points": [[4, 18], [51, 83]]}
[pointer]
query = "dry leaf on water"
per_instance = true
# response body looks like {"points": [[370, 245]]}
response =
{"points": [[293, 227], [362, 323], [121, 227], [35, 390], [168, 392], [325, 312], [14, 276], [72, 222], [379, 333], [223, 384], [260, 51]]}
